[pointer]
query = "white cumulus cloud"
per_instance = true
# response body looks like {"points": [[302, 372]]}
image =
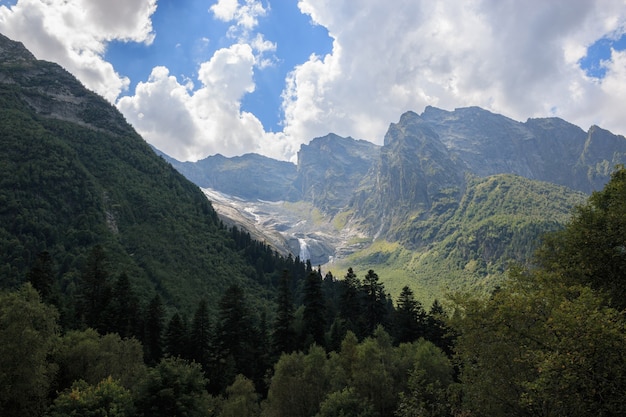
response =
{"points": [[190, 125], [74, 33], [516, 58]]}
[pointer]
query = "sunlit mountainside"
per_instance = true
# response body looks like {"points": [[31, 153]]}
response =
{"points": [[447, 202]]}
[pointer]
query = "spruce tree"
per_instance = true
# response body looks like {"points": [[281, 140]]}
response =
{"points": [[314, 316], [284, 335], [237, 340], [41, 275], [123, 310], [350, 306], [94, 290], [201, 335], [375, 302], [154, 323], [409, 322], [177, 338]]}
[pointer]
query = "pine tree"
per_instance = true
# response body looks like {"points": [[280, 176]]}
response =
{"points": [[409, 318], [314, 322], [237, 339], [153, 344], [123, 310], [436, 329], [375, 310], [201, 335], [176, 337], [41, 275], [350, 306], [284, 335], [94, 290]]}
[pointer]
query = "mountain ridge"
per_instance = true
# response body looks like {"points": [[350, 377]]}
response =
{"points": [[406, 193]]}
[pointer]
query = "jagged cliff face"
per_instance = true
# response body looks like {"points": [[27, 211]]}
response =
{"points": [[548, 149], [331, 168], [415, 173]]}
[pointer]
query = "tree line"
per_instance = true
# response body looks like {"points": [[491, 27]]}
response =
{"points": [[103, 316]]}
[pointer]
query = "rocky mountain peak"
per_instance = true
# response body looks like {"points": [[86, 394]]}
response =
{"points": [[12, 51]]}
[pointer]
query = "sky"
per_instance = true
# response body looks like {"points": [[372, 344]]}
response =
{"points": [[201, 77]]}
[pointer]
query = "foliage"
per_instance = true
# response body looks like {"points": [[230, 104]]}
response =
{"points": [[241, 399], [284, 334], [591, 249], [371, 378], [107, 399], [539, 347], [91, 357], [174, 388], [314, 322], [299, 384], [28, 335]]}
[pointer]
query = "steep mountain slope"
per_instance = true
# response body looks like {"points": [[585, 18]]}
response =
{"points": [[249, 176], [550, 149], [74, 174], [330, 168]]}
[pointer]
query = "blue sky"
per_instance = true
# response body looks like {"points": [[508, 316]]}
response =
{"points": [[182, 51], [200, 77]]}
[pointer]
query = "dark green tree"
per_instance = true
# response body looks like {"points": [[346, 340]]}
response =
{"points": [[351, 303], [177, 339], [94, 290], [28, 335], [106, 399], [41, 275], [375, 302], [437, 329], [591, 249], [538, 347], [346, 403], [86, 355], [241, 399], [153, 331], [237, 339], [174, 388], [409, 318], [314, 316], [200, 336], [284, 334], [123, 311]]}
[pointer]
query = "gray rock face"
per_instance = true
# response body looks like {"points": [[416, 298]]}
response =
{"points": [[331, 168], [547, 149], [53, 92], [250, 176]]}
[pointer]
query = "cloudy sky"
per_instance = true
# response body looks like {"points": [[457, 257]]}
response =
{"points": [[200, 77]]}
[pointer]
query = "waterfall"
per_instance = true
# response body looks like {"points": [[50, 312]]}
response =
{"points": [[305, 255]]}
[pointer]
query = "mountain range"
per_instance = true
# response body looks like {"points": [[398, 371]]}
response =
{"points": [[447, 202]]}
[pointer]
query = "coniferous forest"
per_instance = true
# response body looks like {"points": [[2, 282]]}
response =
{"points": [[550, 342]]}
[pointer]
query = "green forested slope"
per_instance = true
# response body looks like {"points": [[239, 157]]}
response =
{"points": [[74, 174], [498, 220]]}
